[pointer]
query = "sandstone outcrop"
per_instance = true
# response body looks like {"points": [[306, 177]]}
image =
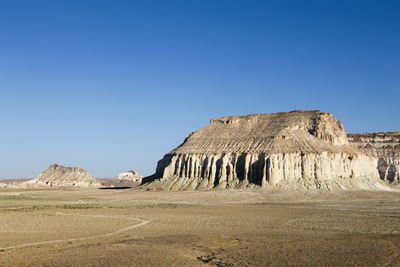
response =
{"points": [[125, 179], [60, 176], [385, 148], [12, 183], [298, 150], [132, 176]]}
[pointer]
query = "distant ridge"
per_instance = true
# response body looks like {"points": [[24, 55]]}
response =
{"points": [[60, 176]]}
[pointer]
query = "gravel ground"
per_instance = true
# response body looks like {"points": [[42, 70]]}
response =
{"points": [[90, 227]]}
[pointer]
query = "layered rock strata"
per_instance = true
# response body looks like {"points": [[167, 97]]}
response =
{"points": [[60, 176], [385, 149], [299, 150]]}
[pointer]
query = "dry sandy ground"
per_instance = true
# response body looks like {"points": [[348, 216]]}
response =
{"points": [[92, 227]]}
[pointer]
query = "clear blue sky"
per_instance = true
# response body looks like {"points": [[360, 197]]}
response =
{"points": [[114, 85]]}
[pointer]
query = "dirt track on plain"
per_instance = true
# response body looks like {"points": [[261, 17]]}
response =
{"points": [[212, 228]]}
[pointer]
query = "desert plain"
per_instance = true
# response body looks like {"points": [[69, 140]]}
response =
{"points": [[96, 227]]}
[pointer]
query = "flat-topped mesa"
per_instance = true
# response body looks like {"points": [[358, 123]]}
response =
{"points": [[385, 148], [60, 176], [321, 125], [282, 151]]}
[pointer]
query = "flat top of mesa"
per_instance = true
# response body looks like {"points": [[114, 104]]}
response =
{"points": [[55, 167], [310, 131], [267, 116]]}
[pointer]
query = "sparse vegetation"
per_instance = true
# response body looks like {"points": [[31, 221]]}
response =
{"points": [[162, 205], [191, 229], [25, 208], [154, 206], [77, 206], [14, 197]]}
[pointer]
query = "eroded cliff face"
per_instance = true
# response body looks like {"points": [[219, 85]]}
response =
{"points": [[60, 176], [300, 150], [385, 149]]}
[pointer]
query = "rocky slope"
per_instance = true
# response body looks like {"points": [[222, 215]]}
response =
{"points": [[299, 150], [385, 148], [60, 176]]}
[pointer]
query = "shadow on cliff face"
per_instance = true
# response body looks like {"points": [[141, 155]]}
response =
{"points": [[387, 171], [149, 179], [240, 167], [256, 170]]}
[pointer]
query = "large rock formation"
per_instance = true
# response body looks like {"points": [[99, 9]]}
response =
{"points": [[60, 176], [385, 148], [298, 150]]}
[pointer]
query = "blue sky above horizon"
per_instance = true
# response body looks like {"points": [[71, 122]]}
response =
{"points": [[114, 85]]}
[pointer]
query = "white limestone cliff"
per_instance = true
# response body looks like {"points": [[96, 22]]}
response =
{"points": [[131, 176], [125, 179], [299, 150], [385, 149]]}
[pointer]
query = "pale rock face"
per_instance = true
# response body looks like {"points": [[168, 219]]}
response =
{"points": [[125, 179], [131, 176], [60, 176], [9, 185], [300, 150], [385, 149]]}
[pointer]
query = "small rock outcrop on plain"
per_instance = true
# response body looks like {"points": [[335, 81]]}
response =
{"points": [[132, 176], [298, 150], [125, 179], [385, 148], [60, 176], [12, 183]]}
